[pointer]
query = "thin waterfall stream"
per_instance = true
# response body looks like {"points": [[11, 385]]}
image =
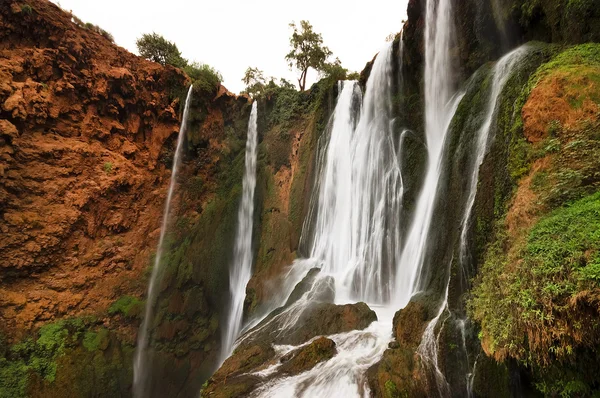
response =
{"points": [[428, 349], [241, 268], [140, 369]]}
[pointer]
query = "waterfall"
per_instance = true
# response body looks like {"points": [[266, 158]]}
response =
{"points": [[241, 269], [500, 73], [356, 236], [428, 349], [140, 369], [440, 105]]}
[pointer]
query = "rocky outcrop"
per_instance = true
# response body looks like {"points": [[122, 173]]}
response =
{"points": [[87, 136], [82, 182], [300, 322]]}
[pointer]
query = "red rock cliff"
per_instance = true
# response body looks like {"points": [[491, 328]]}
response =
{"points": [[82, 126]]}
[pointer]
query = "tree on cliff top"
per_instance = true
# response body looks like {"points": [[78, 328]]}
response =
{"points": [[255, 81], [158, 49], [307, 51]]}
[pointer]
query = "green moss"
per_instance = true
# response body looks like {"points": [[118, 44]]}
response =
{"points": [[391, 391], [128, 306], [107, 167], [26, 9], [96, 340], [50, 360]]}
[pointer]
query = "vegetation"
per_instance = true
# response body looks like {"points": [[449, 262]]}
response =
{"points": [[107, 167], [307, 51], [94, 28], [128, 306], [537, 291], [156, 48], [26, 9], [204, 77], [255, 81]]}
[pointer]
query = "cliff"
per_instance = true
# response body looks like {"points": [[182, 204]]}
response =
{"points": [[87, 134]]}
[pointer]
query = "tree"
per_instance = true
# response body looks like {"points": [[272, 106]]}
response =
{"points": [[334, 70], [158, 49], [307, 51], [255, 81]]}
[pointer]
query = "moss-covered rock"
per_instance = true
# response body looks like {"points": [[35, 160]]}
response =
{"points": [[73, 357], [536, 292], [305, 358]]}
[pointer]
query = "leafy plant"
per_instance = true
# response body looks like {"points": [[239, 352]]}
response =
{"points": [[26, 9], [156, 48], [107, 167]]}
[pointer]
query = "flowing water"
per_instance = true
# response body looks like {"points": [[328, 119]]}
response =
{"points": [[428, 348], [440, 105], [241, 269], [353, 231], [355, 237], [140, 369]]}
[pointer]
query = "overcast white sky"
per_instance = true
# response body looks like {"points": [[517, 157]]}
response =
{"points": [[231, 35]]}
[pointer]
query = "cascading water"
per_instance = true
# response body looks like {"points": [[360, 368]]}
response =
{"points": [[440, 106], [355, 237], [241, 270], [428, 349], [140, 370]]}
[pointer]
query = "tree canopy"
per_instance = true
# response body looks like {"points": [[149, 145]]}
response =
{"points": [[156, 48], [307, 51], [254, 80]]}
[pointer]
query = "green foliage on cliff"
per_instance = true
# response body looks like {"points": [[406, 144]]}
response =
{"points": [[537, 291], [571, 21], [204, 77], [127, 306], [57, 358], [156, 48]]}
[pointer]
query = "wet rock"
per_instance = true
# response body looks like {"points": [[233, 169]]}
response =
{"points": [[305, 358]]}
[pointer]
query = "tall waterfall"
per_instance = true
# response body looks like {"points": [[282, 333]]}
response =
{"points": [[140, 369], [440, 105], [355, 236], [241, 269], [357, 232]]}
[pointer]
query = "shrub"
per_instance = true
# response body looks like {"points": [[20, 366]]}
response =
{"points": [[204, 77], [108, 167], [26, 9], [158, 49]]}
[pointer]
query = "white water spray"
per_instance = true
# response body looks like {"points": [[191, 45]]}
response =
{"points": [[440, 106], [240, 271], [356, 234], [140, 369]]}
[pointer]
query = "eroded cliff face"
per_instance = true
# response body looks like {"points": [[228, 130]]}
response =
{"points": [[83, 126], [87, 135]]}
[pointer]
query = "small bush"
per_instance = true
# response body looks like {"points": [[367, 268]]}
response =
{"points": [[108, 167], [204, 77], [26, 9]]}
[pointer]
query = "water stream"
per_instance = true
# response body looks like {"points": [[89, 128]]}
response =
{"points": [[140, 368], [428, 349], [240, 271]]}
